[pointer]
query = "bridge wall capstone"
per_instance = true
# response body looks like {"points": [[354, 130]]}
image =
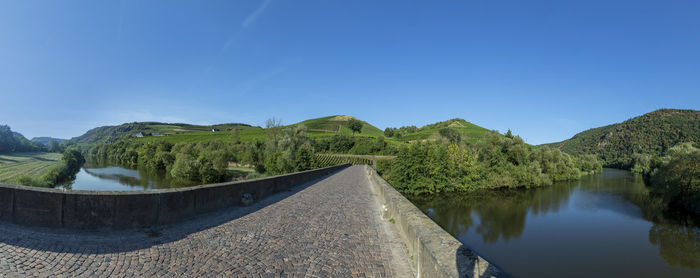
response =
{"points": [[100, 210], [434, 252]]}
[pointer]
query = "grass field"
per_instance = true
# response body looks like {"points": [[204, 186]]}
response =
{"points": [[15, 165]]}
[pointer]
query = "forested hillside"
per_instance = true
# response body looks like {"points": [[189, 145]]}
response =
{"points": [[14, 142], [109, 134], [652, 133]]}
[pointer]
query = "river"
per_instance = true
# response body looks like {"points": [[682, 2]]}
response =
{"points": [[117, 178], [605, 225]]}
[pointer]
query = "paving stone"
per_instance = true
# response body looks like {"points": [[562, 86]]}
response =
{"points": [[329, 228]]}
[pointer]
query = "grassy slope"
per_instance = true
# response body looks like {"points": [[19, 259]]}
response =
{"points": [[319, 127], [107, 134], [15, 165], [650, 133], [470, 132], [338, 124]]}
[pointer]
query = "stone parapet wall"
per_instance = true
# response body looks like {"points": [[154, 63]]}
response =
{"points": [[99, 210], [434, 252]]}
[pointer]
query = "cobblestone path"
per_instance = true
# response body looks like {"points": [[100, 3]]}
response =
{"points": [[329, 228]]}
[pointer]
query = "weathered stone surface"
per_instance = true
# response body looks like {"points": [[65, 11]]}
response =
{"points": [[247, 199], [136, 210], [38, 208], [176, 206], [329, 228], [88, 211], [7, 196]]}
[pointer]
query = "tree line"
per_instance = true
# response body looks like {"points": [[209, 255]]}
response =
{"points": [[675, 176], [497, 161], [283, 151]]}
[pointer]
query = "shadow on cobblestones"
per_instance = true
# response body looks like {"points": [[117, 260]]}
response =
{"points": [[104, 242], [328, 228]]}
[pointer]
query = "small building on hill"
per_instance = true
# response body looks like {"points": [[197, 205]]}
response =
{"points": [[139, 135]]}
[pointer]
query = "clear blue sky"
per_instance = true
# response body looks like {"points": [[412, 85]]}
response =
{"points": [[545, 69]]}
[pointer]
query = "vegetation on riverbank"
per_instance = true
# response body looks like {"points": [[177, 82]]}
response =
{"points": [[675, 176], [497, 161], [60, 172]]}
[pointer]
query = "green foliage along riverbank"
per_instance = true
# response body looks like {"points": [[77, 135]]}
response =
{"points": [[676, 177], [498, 161], [289, 150], [65, 170]]}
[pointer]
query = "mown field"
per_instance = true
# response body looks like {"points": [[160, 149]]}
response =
{"points": [[15, 165]]}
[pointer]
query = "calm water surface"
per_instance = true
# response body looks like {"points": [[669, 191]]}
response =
{"points": [[118, 178], [605, 225]]}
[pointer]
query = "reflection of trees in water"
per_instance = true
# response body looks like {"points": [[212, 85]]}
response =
{"points": [[121, 178], [676, 233], [502, 213], [678, 245], [146, 179]]}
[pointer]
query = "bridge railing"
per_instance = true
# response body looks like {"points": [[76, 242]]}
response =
{"points": [[435, 252], [98, 210]]}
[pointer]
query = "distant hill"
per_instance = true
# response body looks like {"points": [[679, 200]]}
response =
{"points": [[651, 133], [470, 132], [108, 134], [47, 140], [338, 124]]}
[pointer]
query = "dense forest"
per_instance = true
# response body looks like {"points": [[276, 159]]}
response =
{"points": [[650, 134], [11, 141]]}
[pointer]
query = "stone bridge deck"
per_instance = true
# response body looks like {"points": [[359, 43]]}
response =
{"points": [[327, 228]]}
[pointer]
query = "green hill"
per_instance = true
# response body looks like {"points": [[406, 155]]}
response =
{"points": [[651, 133], [470, 132], [319, 127], [107, 134], [178, 132], [338, 124]]}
